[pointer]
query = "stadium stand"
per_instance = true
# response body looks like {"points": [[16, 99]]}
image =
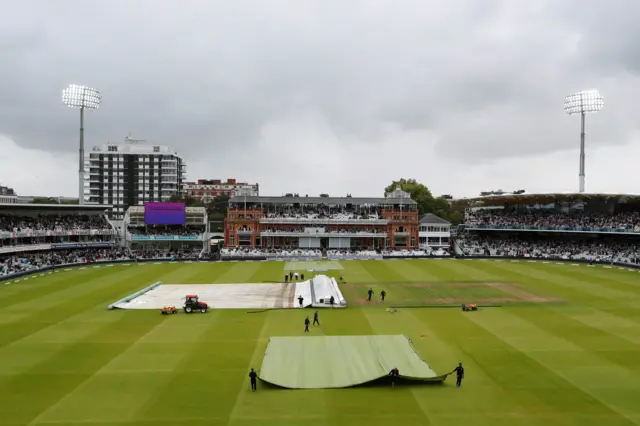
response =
{"points": [[311, 254], [143, 236], [52, 222], [37, 227], [625, 222], [594, 228], [270, 254], [331, 226], [28, 261], [563, 248], [35, 236]]}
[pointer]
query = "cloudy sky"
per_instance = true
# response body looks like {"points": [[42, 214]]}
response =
{"points": [[327, 96]]}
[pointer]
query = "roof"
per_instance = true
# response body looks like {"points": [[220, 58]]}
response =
{"points": [[508, 199], [140, 210], [430, 218], [33, 206], [321, 200]]}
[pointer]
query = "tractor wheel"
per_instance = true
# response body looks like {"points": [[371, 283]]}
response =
{"points": [[188, 309], [203, 310], [175, 311]]}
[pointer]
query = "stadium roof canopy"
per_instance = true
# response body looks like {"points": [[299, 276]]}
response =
{"points": [[140, 209], [528, 199], [338, 201], [432, 219], [68, 207]]}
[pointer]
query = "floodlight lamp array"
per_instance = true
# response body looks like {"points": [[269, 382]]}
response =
{"points": [[76, 96], [582, 102]]}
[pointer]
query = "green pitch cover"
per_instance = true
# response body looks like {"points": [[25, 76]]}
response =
{"points": [[327, 362]]}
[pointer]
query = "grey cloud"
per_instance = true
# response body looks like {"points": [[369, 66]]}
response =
{"points": [[487, 78]]}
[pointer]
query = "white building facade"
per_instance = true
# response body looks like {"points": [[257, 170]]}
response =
{"points": [[132, 173], [7, 195], [434, 232]]}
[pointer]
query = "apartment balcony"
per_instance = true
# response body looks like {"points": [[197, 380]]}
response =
{"points": [[402, 234]]}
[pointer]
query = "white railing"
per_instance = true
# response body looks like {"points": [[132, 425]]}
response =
{"points": [[323, 234], [27, 233], [323, 221]]}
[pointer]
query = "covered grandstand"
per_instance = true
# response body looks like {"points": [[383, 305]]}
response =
{"points": [[189, 234], [589, 227]]}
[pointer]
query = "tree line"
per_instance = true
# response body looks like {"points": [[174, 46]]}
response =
{"points": [[441, 206]]}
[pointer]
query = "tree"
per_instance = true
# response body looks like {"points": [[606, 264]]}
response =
{"points": [[44, 200], [219, 205], [217, 211], [427, 203], [187, 200], [419, 193]]}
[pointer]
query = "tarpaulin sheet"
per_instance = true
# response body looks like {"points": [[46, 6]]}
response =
{"points": [[326, 362]]}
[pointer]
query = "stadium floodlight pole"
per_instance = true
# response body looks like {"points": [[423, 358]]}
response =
{"points": [[82, 97], [582, 103]]}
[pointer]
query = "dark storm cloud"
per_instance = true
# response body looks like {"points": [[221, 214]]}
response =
{"points": [[487, 78]]}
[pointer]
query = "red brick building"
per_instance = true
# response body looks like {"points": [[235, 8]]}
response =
{"points": [[323, 222], [207, 189]]}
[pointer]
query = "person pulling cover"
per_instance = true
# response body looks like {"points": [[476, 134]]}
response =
{"points": [[459, 370], [394, 373], [254, 380]]}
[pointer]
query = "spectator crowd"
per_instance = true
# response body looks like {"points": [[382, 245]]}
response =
{"points": [[166, 231], [336, 254], [25, 261], [554, 219], [567, 249], [52, 222], [247, 252], [326, 212], [355, 230]]}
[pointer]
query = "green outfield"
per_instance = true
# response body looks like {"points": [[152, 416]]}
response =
{"points": [[563, 350]]}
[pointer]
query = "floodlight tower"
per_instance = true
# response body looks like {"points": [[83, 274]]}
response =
{"points": [[582, 103], [81, 97]]}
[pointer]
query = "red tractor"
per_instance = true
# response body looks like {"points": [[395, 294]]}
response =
{"points": [[192, 304]]}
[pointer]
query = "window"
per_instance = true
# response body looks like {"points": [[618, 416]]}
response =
{"points": [[113, 148], [231, 240], [413, 241], [156, 149]]}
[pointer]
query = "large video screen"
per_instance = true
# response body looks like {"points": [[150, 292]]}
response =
{"points": [[164, 213]]}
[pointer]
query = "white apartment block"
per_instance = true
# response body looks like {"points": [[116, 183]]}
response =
{"points": [[132, 173]]}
